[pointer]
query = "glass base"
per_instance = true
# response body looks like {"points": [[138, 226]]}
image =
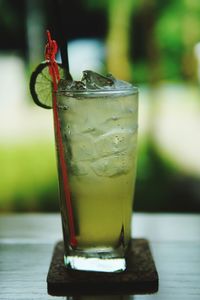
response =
{"points": [[95, 264]]}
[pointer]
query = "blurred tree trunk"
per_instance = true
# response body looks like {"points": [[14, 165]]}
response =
{"points": [[190, 37], [118, 38], [35, 25], [153, 54], [147, 16]]}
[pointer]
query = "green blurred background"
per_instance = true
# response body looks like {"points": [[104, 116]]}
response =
{"points": [[152, 43]]}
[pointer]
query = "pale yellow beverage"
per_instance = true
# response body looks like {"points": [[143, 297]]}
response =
{"points": [[99, 133]]}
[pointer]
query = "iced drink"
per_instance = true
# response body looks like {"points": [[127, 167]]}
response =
{"points": [[95, 123], [98, 119]]}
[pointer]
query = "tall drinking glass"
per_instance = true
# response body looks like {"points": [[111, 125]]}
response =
{"points": [[99, 136]]}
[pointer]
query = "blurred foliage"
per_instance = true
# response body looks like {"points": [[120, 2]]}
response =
{"points": [[12, 25], [158, 38], [177, 30], [96, 5], [161, 186], [29, 181]]}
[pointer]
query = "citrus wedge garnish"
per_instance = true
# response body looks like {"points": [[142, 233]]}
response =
{"points": [[41, 85]]}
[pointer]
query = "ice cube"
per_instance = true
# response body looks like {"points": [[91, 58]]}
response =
{"points": [[79, 168], [69, 85], [114, 142], [95, 81], [82, 149], [121, 84], [112, 166], [64, 84]]}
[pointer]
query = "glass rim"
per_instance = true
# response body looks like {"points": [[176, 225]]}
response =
{"points": [[99, 92]]}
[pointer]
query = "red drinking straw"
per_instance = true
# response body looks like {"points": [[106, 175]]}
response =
{"points": [[50, 51]]}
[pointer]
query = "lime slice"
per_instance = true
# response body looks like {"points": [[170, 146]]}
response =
{"points": [[41, 85]]}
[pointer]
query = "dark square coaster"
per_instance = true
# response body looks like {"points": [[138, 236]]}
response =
{"points": [[140, 277]]}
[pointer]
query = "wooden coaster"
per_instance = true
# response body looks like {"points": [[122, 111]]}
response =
{"points": [[140, 277]]}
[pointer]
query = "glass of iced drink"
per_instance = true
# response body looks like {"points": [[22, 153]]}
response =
{"points": [[99, 119]]}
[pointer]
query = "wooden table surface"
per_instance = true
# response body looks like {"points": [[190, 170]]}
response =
{"points": [[27, 241]]}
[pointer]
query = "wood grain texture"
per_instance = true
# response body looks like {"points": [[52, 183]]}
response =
{"points": [[139, 277], [27, 242]]}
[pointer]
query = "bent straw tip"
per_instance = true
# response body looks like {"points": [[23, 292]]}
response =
{"points": [[48, 33], [73, 242]]}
